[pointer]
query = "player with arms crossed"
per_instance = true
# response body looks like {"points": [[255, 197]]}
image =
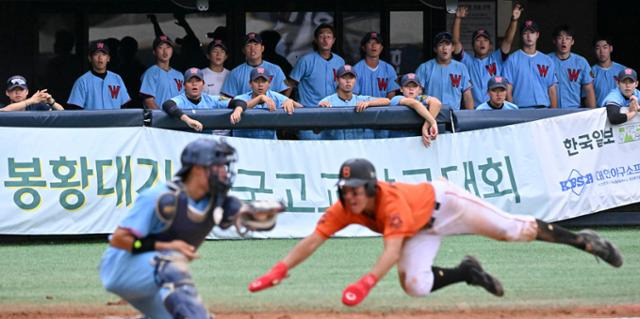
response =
{"points": [[147, 260], [413, 219]]}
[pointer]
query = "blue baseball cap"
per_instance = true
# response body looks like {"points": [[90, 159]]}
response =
{"points": [[442, 37], [346, 69], [96, 46], [497, 82], [409, 78], [531, 26], [191, 72], [252, 37], [480, 33], [260, 72], [162, 39], [15, 82], [628, 74]]}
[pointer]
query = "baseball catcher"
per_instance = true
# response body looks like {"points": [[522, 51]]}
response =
{"points": [[148, 258], [413, 218]]}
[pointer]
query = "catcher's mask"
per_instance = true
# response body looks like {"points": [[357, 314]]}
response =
{"points": [[208, 152], [357, 172]]}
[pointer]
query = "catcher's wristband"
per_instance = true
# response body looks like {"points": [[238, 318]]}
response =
{"points": [[141, 245]]}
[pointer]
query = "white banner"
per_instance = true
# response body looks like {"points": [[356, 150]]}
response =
{"points": [[84, 180]]}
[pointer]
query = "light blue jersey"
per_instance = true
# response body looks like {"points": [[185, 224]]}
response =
{"points": [[206, 102], [376, 82], [480, 71], [572, 74], [531, 77], [505, 106], [130, 276], [93, 93], [316, 77], [260, 133], [445, 82], [615, 97], [161, 84], [350, 133], [605, 80], [237, 82]]}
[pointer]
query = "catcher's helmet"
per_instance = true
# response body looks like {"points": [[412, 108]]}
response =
{"points": [[357, 172]]}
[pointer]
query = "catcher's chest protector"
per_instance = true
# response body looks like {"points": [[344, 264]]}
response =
{"points": [[181, 221]]}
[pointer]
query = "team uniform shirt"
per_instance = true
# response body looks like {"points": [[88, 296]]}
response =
{"points": [[237, 82], [401, 211], [316, 77], [531, 77], [572, 74], [506, 105], [213, 81], [34, 107], [91, 92], [260, 133], [376, 82], [161, 84], [615, 97], [605, 80], [446, 82], [349, 133], [481, 70], [206, 102]]}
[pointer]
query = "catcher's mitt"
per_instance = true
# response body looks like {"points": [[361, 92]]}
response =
{"points": [[258, 215]]}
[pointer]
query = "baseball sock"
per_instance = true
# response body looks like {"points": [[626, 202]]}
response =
{"points": [[556, 234], [446, 276]]}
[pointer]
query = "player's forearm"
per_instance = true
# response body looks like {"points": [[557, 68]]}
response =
{"points": [[390, 256], [419, 108], [468, 100], [455, 32], [553, 97], [590, 100], [381, 101], [254, 101], [509, 35], [303, 250], [150, 103]]}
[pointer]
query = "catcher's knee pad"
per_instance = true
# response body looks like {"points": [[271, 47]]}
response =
{"points": [[172, 270], [184, 302]]}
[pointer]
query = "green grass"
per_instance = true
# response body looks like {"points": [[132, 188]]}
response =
{"points": [[533, 274]]}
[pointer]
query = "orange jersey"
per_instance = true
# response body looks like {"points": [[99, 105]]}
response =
{"points": [[401, 210]]}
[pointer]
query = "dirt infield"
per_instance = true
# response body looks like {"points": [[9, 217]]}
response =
{"points": [[109, 312]]}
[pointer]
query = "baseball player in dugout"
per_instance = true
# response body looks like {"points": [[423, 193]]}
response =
{"points": [[194, 98], [485, 62], [413, 219], [605, 71], [147, 262], [622, 102], [99, 89], [17, 92], [572, 71], [445, 78], [497, 87], [531, 73], [237, 82], [161, 82], [315, 72], [426, 106]]}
